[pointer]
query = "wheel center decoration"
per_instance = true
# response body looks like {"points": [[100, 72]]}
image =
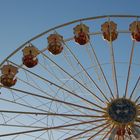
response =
{"points": [[122, 111]]}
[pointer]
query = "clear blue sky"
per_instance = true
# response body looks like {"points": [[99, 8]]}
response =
{"points": [[22, 19]]}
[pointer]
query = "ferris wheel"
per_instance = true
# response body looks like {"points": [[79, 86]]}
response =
{"points": [[76, 81]]}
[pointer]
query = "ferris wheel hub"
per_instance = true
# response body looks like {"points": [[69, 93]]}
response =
{"points": [[122, 111]]}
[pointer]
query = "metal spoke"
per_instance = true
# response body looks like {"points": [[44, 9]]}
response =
{"points": [[114, 74], [86, 131], [134, 88], [129, 69], [96, 58], [137, 99], [49, 114], [52, 99], [49, 128], [99, 132], [20, 126], [108, 133]]}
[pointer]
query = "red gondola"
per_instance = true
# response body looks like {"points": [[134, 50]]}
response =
{"points": [[8, 75], [135, 30], [109, 30], [81, 33], [30, 56], [55, 44]]}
